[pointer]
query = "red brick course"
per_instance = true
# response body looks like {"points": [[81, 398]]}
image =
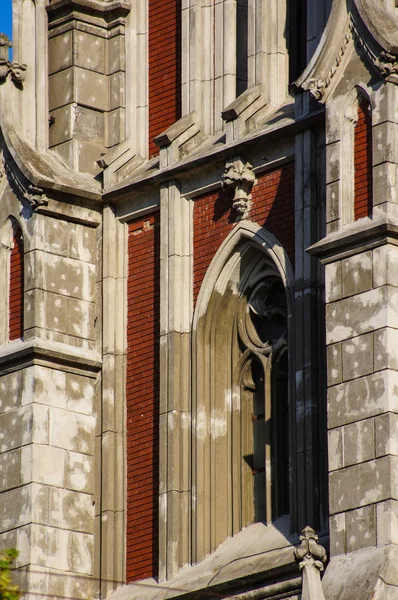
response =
{"points": [[273, 208], [16, 289], [164, 49], [363, 181], [142, 398]]}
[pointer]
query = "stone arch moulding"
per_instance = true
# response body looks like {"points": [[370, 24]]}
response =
{"points": [[249, 259]]}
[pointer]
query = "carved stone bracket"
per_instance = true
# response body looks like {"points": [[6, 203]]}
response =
{"points": [[311, 557], [16, 71], [35, 196], [238, 179]]}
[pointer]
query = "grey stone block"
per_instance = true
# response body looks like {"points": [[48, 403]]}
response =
{"points": [[386, 434], [362, 398], [61, 89], [71, 510], [360, 485], [89, 51], [333, 281], [91, 89], [332, 202], [10, 469], [359, 445], [357, 274], [79, 472], [361, 528], [10, 391], [362, 313], [357, 356], [60, 52], [61, 129], [335, 448], [337, 534], [385, 265]]}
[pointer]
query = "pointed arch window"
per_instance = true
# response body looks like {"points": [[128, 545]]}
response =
{"points": [[242, 398]]}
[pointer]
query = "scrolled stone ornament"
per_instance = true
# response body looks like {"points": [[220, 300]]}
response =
{"points": [[238, 179], [311, 557]]}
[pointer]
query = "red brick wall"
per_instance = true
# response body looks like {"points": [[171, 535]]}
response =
{"points": [[15, 315], [142, 398], [363, 183], [273, 207], [164, 67]]}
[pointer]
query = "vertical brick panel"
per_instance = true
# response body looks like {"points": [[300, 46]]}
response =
{"points": [[164, 51], [142, 398], [16, 289], [273, 208], [363, 181]]}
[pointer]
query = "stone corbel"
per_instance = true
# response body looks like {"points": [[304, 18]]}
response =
{"points": [[311, 557], [238, 180], [35, 196], [16, 71]]}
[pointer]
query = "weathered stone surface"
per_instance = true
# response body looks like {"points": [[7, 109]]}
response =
{"points": [[72, 431], [362, 398], [387, 522], [362, 313], [60, 52], [357, 274], [386, 349], [24, 426], [70, 510], [335, 448], [386, 434], [385, 265], [10, 469], [333, 284], [375, 481], [89, 52], [79, 472], [10, 391], [359, 444], [357, 356], [361, 528], [43, 464], [334, 371], [337, 534]]}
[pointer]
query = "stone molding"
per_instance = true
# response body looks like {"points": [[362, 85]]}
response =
{"points": [[238, 180], [16, 71], [311, 557], [19, 354], [354, 238]]}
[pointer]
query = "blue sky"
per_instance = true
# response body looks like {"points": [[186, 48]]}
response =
{"points": [[5, 16]]}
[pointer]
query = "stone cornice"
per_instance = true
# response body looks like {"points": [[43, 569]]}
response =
{"points": [[22, 354], [362, 235]]}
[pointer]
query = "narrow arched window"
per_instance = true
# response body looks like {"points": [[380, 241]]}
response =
{"points": [[363, 180], [16, 284], [242, 400]]}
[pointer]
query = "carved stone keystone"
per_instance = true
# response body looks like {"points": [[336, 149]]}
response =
{"points": [[16, 71], [311, 557], [238, 179]]}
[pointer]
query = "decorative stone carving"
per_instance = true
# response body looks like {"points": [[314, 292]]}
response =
{"points": [[35, 196], [238, 179], [317, 87], [311, 557], [16, 71]]}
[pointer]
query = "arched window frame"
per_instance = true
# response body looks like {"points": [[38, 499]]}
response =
{"points": [[208, 531], [10, 228]]}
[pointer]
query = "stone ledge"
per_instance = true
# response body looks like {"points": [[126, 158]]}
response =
{"points": [[19, 354], [354, 238]]}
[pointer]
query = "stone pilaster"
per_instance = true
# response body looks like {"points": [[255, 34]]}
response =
{"points": [[175, 403]]}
